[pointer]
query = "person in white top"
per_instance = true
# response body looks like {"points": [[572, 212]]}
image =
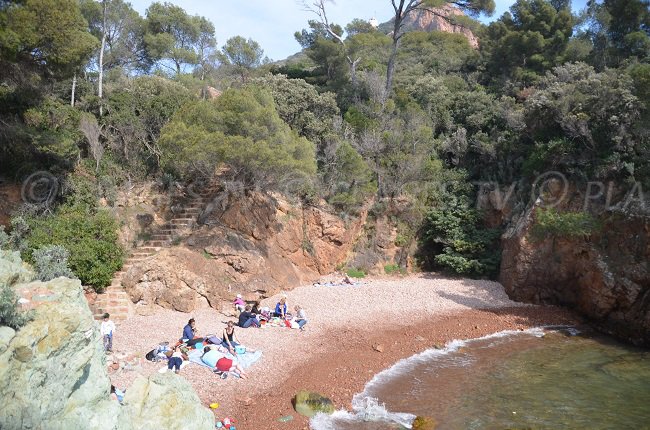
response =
{"points": [[107, 330], [301, 317]]}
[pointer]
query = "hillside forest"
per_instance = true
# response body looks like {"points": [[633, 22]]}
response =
{"points": [[386, 119]]}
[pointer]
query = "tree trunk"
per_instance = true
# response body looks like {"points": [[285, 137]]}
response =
{"points": [[390, 70], [353, 73], [101, 62], [74, 87]]}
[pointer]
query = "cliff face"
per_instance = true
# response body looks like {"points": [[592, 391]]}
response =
{"points": [[425, 20], [606, 276], [53, 371], [252, 244]]}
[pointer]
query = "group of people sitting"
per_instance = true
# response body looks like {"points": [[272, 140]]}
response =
{"points": [[218, 350], [252, 316], [214, 355]]}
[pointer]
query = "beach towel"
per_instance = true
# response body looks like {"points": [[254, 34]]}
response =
{"points": [[245, 360]]}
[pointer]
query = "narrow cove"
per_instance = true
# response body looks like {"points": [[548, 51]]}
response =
{"points": [[535, 379]]}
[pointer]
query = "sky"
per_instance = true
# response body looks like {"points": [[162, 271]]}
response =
{"points": [[272, 23]]}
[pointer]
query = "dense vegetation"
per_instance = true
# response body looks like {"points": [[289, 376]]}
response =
{"points": [[96, 94]]}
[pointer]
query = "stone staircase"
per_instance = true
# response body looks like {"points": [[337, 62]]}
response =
{"points": [[115, 299]]}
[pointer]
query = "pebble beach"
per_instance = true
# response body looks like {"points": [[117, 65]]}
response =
{"points": [[353, 333]]}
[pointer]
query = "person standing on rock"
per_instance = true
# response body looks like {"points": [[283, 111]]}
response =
{"points": [[107, 329]]}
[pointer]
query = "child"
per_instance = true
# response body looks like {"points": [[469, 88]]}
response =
{"points": [[107, 329], [301, 317], [239, 303], [176, 360]]}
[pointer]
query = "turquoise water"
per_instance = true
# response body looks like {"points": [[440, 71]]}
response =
{"points": [[531, 380]]}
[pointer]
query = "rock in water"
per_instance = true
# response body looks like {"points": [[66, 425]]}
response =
{"points": [[165, 401], [53, 372], [308, 404], [424, 423]]}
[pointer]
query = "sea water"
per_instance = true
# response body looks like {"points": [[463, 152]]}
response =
{"points": [[536, 379]]}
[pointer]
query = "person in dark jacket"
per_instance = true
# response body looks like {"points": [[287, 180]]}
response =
{"points": [[247, 318]]}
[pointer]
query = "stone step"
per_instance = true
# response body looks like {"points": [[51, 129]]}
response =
{"points": [[114, 316], [161, 237], [152, 249], [159, 243], [176, 220], [132, 260], [171, 227], [142, 254]]}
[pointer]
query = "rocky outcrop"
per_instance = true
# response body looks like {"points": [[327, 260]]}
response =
{"points": [[435, 20], [605, 276], [12, 269], [254, 244], [165, 401], [53, 372], [175, 278]]}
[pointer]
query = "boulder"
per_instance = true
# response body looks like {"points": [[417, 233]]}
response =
{"points": [[53, 371], [424, 423], [308, 404], [165, 401]]}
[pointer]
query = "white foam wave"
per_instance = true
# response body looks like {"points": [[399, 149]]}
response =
{"points": [[367, 408], [405, 365]]}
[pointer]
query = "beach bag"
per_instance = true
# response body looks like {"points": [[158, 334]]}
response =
{"points": [[151, 355]]}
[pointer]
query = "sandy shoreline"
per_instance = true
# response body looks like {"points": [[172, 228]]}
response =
{"points": [[335, 356]]}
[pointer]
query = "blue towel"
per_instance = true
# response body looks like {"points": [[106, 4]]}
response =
{"points": [[245, 360]]}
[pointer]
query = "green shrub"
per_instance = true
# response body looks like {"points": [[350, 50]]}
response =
{"points": [[16, 239], [392, 269], [356, 273], [551, 223], [51, 262], [10, 313], [13, 272], [455, 240], [243, 130], [89, 235]]}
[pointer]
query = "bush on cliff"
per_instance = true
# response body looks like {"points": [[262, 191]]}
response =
{"points": [[10, 313], [553, 224], [51, 262], [12, 271], [89, 234]]}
